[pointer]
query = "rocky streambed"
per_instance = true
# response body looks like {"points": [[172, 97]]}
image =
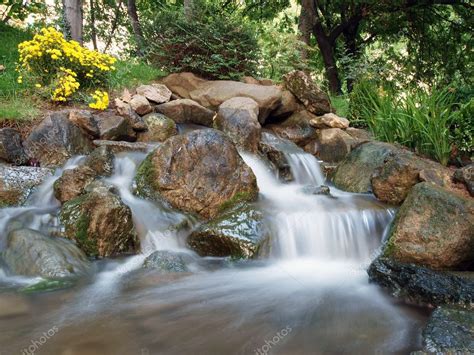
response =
{"points": [[229, 217]]}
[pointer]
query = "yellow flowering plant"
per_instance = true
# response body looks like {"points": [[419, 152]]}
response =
{"points": [[64, 66]]}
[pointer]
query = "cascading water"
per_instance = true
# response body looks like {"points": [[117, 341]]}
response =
{"points": [[314, 285]]}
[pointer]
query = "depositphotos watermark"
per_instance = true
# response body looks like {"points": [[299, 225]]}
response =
{"points": [[274, 341], [37, 343]]}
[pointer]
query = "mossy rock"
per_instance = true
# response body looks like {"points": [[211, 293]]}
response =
{"points": [[238, 232]]}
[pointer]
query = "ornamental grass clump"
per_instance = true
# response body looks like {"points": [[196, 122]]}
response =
{"points": [[60, 68]]}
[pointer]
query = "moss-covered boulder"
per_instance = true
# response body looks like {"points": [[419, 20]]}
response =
{"points": [[199, 172], [239, 232], [434, 227], [160, 128], [17, 183], [355, 172], [100, 223], [31, 253], [450, 330]]}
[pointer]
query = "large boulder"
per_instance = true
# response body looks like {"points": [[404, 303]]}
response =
{"points": [[296, 128], [272, 148], [181, 84], [186, 111], [213, 93], [160, 128], [435, 228], [199, 172], [331, 145], [156, 93], [302, 86], [100, 223], [31, 253], [56, 139], [238, 118], [239, 232], [354, 173], [289, 105], [17, 183], [11, 149], [450, 330], [419, 285], [401, 170]]}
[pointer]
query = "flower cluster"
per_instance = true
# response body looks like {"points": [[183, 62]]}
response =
{"points": [[64, 65], [101, 100]]}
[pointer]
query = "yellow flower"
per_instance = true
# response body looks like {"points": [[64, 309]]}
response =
{"points": [[38, 85]]}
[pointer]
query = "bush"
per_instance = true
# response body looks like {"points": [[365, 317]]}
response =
{"points": [[59, 67], [430, 123], [215, 46]]}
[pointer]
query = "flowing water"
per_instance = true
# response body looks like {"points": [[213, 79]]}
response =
{"points": [[311, 296]]}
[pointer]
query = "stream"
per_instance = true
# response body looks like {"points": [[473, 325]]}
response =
{"points": [[310, 296]]}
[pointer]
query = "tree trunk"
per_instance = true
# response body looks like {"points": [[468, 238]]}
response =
{"points": [[188, 9], [352, 48], [73, 18], [305, 25], [93, 29], [327, 47], [137, 29]]}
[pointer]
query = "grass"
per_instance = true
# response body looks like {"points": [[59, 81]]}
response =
{"points": [[132, 73], [341, 104]]}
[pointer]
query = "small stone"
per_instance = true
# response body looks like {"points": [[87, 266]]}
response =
{"points": [[140, 105], [156, 93], [330, 120]]}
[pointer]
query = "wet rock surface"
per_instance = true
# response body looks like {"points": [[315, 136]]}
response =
{"points": [[167, 261], [450, 330], [100, 223], [270, 147], [199, 172], [31, 253], [420, 285], [239, 232]]}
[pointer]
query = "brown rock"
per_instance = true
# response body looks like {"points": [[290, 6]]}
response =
{"points": [[125, 110], [238, 118], [182, 84], [331, 145], [329, 120], [140, 105], [359, 134], [466, 175], [156, 93], [73, 182], [114, 127], [119, 147], [11, 149], [199, 172], [296, 128], [187, 111], [289, 105], [302, 86], [213, 93], [85, 120], [401, 170], [271, 147], [434, 228]]}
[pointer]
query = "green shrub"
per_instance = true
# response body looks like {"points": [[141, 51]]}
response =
{"points": [[214, 46], [429, 122]]}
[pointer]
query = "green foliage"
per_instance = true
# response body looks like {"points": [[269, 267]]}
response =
{"points": [[17, 108], [213, 45], [429, 122], [20, 9], [132, 73]]}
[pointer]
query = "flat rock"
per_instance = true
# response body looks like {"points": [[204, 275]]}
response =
{"points": [[156, 93], [330, 120], [182, 84], [187, 111]]}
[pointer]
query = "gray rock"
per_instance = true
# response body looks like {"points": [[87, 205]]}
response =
{"points": [[420, 285], [114, 127], [331, 145], [465, 175], [31, 253], [119, 147], [167, 261], [11, 149], [450, 330], [160, 128], [17, 183], [85, 120], [272, 148], [57, 139]]}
